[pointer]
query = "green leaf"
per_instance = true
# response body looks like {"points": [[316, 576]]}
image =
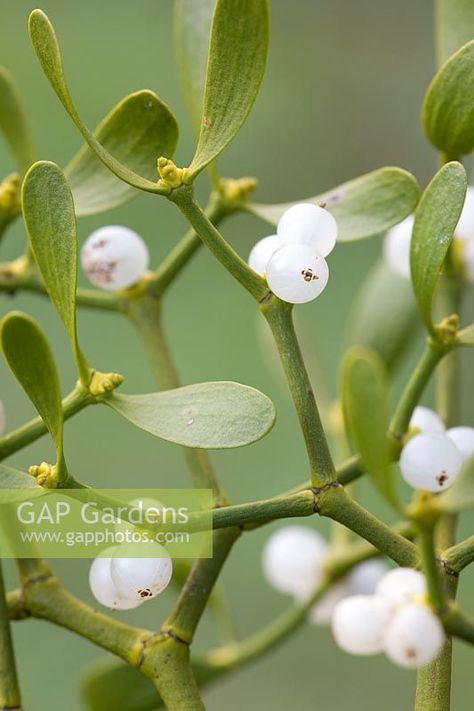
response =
{"points": [[448, 107], [364, 207], [384, 316], [236, 64], [366, 406], [48, 211], [465, 337], [43, 38], [27, 352], [436, 218], [216, 415], [135, 132], [193, 22], [454, 26], [459, 496], [14, 123], [15, 479]]}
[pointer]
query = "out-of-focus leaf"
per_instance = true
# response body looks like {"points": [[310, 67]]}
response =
{"points": [[135, 132], [28, 354], [236, 64], [15, 479], [384, 315], [14, 123], [454, 26], [465, 337], [448, 107], [48, 211], [436, 218], [363, 207], [217, 415], [366, 407], [43, 38], [459, 496]]}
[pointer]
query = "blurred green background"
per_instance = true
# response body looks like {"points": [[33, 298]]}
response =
{"points": [[342, 96]]}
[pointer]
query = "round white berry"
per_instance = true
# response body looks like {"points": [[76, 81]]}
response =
{"points": [[426, 420], [142, 511], [364, 578], [401, 585], [261, 253], [104, 589], [463, 438], [430, 461], [413, 636], [465, 226], [322, 612], [297, 275], [310, 225], [142, 578], [358, 622], [293, 560], [114, 257], [3, 419], [396, 247]]}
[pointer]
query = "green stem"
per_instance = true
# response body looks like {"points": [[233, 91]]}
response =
{"points": [[251, 514], [168, 666], [9, 687], [430, 567], [279, 317], [459, 625], [460, 555], [77, 400]]}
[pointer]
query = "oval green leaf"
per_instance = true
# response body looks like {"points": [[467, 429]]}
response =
{"points": [[235, 68], [48, 211], [436, 218], [15, 124], [218, 415], [465, 337], [364, 207], [384, 316], [366, 407], [448, 107], [135, 132], [459, 496], [29, 357], [45, 43], [454, 26], [11, 478]]}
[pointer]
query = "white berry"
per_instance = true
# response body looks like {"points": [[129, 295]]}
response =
{"points": [[396, 247], [114, 257], [297, 275], [426, 420], [322, 612], [142, 511], [3, 419], [364, 578], [142, 578], [104, 589], [293, 560], [413, 636], [430, 461], [261, 253], [401, 585], [358, 623], [463, 438], [310, 225]]}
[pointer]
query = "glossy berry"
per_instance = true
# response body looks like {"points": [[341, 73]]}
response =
{"points": [[401, 585], [142, 578], [104, 589], [430, 461], [364, 578], [114, 257], [261, 253], [463, 438], [309, 225], [296, 275], [426, 420], [3, 419], [358, 623], [413, 636], [396, 247], [293, 560]]}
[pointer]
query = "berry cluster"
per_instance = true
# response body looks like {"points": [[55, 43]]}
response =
{"points": [[434, 457], [293, 261], [397, 242]]}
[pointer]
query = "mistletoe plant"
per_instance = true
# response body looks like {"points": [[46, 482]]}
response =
{"points": [[409, 612]]}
